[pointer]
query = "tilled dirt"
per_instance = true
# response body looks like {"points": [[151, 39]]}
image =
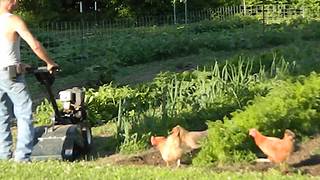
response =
{"points": [[305, 160]]}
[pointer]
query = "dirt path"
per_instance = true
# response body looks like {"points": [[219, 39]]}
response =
{"points": [[307, 157]]}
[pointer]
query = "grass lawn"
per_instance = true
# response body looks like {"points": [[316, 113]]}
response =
{"points": [[90, 170]]}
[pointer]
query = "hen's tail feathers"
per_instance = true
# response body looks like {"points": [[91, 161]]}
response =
{"points": [[197, 135], [290, 133]]}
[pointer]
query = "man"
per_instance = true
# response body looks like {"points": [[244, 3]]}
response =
{"points": [[12, 84]]}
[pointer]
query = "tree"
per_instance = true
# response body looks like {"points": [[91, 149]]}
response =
{"points": [[57, 10]]}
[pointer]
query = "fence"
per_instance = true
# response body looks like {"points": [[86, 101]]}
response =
{"points": [[68, 41], [268, 13], [271, 12]]}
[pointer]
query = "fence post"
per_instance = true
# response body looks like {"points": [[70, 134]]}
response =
{"points": [[82, 31], [185, 12], [95, 13], [174, 12], [263, 16], [244, 8]]}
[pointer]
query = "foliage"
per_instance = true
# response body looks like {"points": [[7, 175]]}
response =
{"points": [[44, 113], [190, 98], [102, 53], [102, 104], [291, 105], [176, 99], [46, 10], [61, 10], [312, 7], [134, 144]]}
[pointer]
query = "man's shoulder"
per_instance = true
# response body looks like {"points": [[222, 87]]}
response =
{"points": [[15, 17], [16, 20]]}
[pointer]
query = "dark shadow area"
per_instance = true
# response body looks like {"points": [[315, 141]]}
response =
{"points": [[102, 146], [313, 160]]}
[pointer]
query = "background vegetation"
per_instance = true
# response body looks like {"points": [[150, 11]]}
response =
{"points": [[227, 95], [66, 10]]}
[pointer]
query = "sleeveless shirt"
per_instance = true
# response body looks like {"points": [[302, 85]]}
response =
{"points": [[9, 51]]}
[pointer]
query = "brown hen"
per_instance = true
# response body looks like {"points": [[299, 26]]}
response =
{"points": [[278, 150], [169, 147]]}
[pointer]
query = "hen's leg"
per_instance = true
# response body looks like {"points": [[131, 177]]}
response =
{"points": [[178, 163], [272, 159]]}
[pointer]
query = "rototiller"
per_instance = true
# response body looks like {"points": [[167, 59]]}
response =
{"points": [[69, 135]]}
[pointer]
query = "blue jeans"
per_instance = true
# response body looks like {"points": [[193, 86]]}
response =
{"points": [[17, 91]]}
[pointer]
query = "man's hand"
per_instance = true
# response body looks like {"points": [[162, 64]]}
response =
{"points": [[51, 67]]}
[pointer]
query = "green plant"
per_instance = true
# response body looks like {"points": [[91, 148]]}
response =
{"points": [[289, 104], [44, 113], [177, 98]]}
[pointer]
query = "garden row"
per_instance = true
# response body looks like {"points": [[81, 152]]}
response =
{"points": [[193, 99]]}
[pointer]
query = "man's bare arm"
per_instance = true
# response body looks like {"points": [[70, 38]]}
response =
{"points": [[22, 29]]}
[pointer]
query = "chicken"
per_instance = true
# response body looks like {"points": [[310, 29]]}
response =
{"points": [[190, 140], [169, 147], [277, 150]]}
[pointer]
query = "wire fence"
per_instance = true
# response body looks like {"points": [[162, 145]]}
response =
{"points": [[271, 12], [69, 40]]}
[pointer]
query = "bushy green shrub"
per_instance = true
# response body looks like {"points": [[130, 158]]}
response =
{"points": [[236, 22], [291, 105], [102, 104]]}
